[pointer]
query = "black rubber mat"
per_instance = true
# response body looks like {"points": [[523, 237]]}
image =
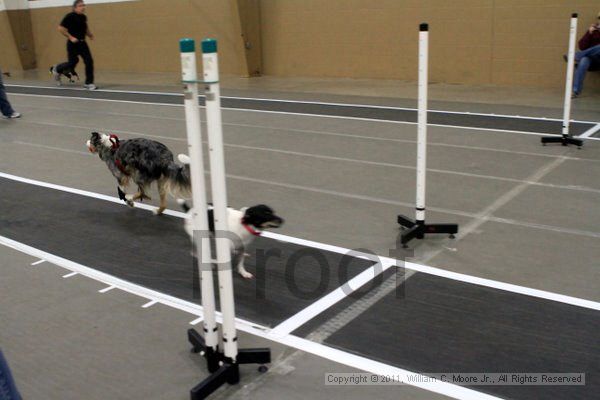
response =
{"points": [[135, 245], [535, 125], [437, 325]]}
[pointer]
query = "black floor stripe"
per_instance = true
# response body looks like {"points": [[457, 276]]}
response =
{"points": [[134, 245], [437, 325], [375, 113]]}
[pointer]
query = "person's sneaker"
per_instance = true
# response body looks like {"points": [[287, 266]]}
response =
{"points": [[55, 75], [13, 115], [574, 95], [90, 86]]}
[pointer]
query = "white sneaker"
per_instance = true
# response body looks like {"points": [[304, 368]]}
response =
{"points": [[90, 86], [55, 75], [13, 115]]}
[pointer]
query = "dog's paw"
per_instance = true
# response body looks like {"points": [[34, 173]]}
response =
{"points": [[121, 193], [184, 159], [130, 203], [246, 274]]}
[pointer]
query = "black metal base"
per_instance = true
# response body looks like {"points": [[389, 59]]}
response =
{"points": [[223, 370], [564, 140], [418, 229]]}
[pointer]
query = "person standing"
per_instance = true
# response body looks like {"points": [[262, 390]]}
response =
{"points": [[75, 28], [5, 106]]}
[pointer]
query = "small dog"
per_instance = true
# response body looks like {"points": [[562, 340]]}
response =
{"points": [[246, 224], [142, 161], [71, 75]]}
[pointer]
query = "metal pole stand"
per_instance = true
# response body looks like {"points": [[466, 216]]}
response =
{"points": [[222, 364], [417, 228], [566, 139]]}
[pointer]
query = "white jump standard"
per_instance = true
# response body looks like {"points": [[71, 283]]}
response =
{"points": [[223, 364], [417, 229], [566, 139], [210, 342]]}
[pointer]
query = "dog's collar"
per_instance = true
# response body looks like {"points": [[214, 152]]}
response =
{"points": [[251, 229], [114, 140]]}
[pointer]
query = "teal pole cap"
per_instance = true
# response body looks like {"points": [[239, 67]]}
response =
{"points": [[187, 45], [209, 46]]}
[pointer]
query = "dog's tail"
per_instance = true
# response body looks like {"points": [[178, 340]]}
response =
{"points": [[178, 179]]}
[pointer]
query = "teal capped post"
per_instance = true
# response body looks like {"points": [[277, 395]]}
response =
{"points": [[187, 45], [209, 46]]}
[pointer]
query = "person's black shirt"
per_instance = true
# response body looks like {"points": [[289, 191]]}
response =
{"points": [[76, 24]]}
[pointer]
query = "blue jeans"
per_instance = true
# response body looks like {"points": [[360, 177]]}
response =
{"points": [[8, 390], [5, 107], [585, 59]]}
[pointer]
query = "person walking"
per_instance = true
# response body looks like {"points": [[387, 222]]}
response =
{"points": [[75, 28], [5, 107]]}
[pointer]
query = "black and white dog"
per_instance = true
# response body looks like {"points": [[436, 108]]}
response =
{"points": [[142, 161], [245, 224]]}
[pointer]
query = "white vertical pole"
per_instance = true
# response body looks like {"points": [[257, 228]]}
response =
{"points": [[569, 80], [199, 216], [422, 122], [219, 194]]}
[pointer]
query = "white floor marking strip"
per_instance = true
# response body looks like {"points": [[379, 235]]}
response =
{"points": [[106, 289], [70, 274], [197, 321], [337, 249], [589, 132], [118, 283], [150, 304], [316, 308], [339, 356], [350, 105], [304, 115], [38, 262]]}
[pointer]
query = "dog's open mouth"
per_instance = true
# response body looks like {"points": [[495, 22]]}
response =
{"points": [[272, 224], [90, 147]]}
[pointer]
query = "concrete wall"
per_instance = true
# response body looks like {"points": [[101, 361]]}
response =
{"points": [[143, 36], [9, 56], [22, 30], [505, 42]]}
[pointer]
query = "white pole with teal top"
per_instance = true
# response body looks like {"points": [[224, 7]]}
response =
{"points": [[219, 195], [199, 215]]}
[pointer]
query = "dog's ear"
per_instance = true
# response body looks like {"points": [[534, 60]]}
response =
{"points": [[95, 135]]}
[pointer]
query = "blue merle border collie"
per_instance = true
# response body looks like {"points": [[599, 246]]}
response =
{"points": [[141, 161]]}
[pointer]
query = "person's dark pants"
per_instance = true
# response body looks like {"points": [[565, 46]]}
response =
{"points": [[74, 50], [5, 107], [8, 390]]}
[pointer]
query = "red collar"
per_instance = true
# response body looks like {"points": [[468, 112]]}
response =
{"points": [[114, 140], [251, 229]]}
